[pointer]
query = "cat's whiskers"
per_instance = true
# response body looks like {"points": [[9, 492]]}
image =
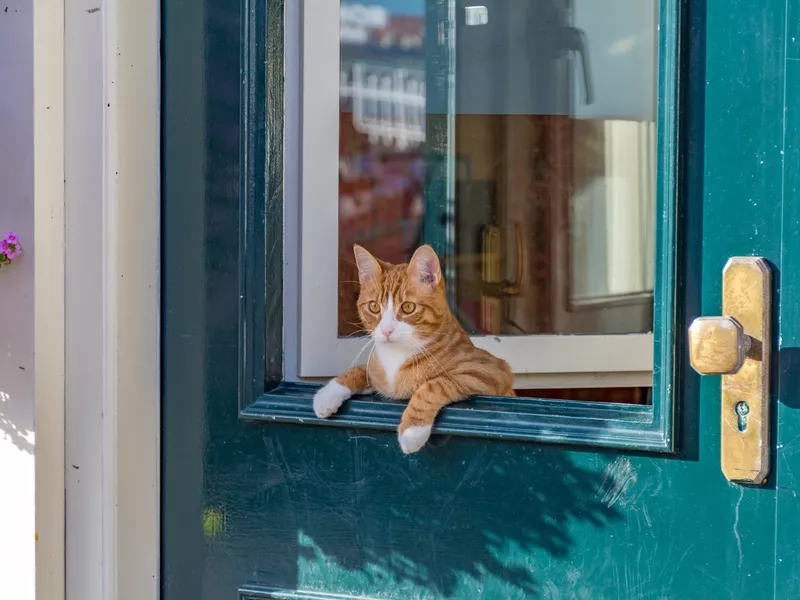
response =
{"points": [[360, 352], [440, 334], [425, 352], [417, 366], [432, 334], [369, 358], [432, 343], [357, 324], [356, 334]]}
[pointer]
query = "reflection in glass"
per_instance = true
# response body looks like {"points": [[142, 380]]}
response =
{"points": [[520, 143]]}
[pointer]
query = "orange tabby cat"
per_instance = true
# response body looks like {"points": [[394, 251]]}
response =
{"points": [[420, 351]]}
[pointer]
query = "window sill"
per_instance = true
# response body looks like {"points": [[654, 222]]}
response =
{"points": [[513, 419]]}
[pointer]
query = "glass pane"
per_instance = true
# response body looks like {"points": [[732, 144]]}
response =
{"points": [[520, 143]]}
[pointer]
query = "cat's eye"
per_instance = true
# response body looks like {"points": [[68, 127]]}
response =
{"points": [[408, 307], [374, 307]]}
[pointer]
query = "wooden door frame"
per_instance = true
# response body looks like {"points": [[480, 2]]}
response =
{"points": [[49, 318], [97, 302]]}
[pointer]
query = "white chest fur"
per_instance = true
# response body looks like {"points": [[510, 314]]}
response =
{"points": [[391, 357]]}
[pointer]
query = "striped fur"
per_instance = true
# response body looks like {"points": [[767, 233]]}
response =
{"points": [[438, 362]]}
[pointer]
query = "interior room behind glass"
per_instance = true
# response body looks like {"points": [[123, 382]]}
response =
{"points": [[531, 169]]}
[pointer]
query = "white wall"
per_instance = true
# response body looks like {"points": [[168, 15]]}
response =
{"points": [[16, 303]]}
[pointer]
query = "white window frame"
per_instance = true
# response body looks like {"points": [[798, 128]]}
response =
{"points": [[97, 245], [537, 360]]}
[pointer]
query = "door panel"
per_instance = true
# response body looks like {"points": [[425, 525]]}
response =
{"points": [[254, 509], [787, 584]]}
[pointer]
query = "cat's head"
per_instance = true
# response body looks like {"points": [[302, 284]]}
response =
{"points": [[401, 304]]}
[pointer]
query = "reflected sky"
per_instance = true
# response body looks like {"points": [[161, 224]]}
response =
{"points": [[399, 7]]}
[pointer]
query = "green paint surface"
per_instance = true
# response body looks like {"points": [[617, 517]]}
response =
{"points": [[316, 512]]}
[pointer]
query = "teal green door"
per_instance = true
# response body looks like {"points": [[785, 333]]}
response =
{"points": [[535, 497]]}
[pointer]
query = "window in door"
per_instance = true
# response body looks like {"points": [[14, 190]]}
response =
{"points": [[533, 145], [519, 139]]}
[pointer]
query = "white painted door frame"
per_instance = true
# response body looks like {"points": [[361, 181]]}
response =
{"points": [[97, 213]]}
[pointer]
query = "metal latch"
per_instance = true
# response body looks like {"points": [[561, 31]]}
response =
{"points": [[737, 346]]}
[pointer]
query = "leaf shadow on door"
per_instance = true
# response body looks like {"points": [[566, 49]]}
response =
{"points": [[353, 514]]}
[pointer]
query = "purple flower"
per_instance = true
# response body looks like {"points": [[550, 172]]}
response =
{"points": [[10, 248]]}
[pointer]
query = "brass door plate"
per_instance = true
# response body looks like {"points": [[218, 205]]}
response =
{"points": [[738, 347]]}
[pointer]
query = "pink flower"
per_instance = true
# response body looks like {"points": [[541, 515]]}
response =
{"points": [[10, 248]]}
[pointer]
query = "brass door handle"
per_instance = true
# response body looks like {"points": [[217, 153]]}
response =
{"points": [[718, 345], [737, 346], [492, 283]]}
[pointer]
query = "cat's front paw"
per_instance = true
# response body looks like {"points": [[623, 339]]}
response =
{"points": [[413, 438], [328, 400]]}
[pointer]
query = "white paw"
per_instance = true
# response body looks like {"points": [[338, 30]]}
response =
{"points": [[414, 438], [328, 400]]}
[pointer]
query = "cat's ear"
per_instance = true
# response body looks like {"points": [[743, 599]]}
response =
{"points": [[368, 266], [424, 267]]}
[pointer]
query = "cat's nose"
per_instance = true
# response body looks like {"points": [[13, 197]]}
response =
{"points": [[387, 330]]}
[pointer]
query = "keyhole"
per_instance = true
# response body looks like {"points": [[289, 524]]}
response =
{"points": [[741, 412]]}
